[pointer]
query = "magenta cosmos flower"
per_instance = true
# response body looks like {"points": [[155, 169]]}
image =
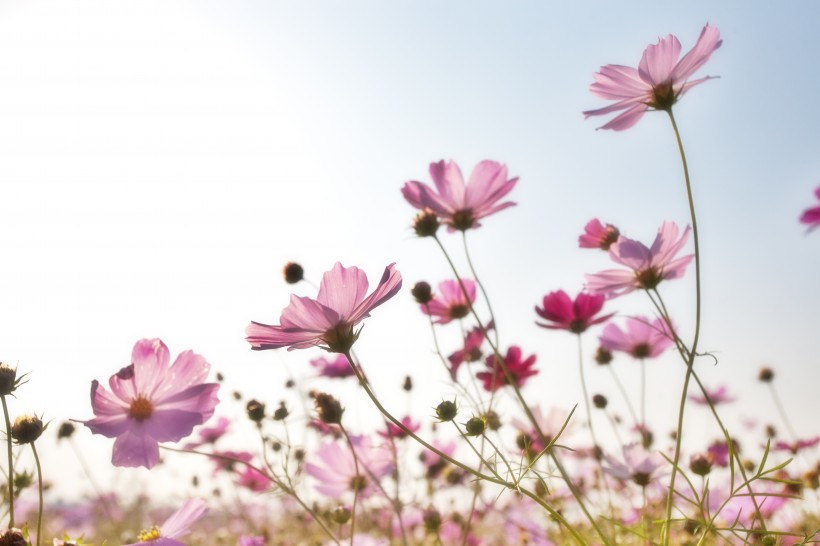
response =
{"points": [[451, 302], [334, 368], [647, 266], [328, 320], [642, 338], [335, 469], [575, 316], [151, 402], [175, 526], [598, 235], [812, 216], [658, 82], [460, 205], [521, 369]]}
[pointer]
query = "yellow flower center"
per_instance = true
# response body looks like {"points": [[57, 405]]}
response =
{"points": [[141, 408], [148, 535]]}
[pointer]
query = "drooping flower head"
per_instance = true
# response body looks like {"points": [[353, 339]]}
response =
{"points": [[641, 339], [328, 320], [658, 82], [647, 266], [598, 235], [811, 216], [175, 526], [151, 402], [574, 316], [451, 301], [461, 206], [520, 370]]}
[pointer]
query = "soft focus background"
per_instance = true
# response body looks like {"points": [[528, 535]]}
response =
{"points": [[160, 161]]}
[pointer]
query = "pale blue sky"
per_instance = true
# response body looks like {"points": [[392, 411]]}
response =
{"points": [[161, 160]]}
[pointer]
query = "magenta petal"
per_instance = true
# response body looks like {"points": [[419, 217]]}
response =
{"points": [[264, 336], [658, 60], [177, 525], [132, 450]]}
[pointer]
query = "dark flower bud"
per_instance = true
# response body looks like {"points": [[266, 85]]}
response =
{"points": [[599, 401], [768, 540], [340, 515], [276, 446], [13, 537], [290, 383], [293, 273], [446, 411], [256, 411], [299, 454], [220, 377], [603, 356], [432, 520], [236, 395], [422, 292], [281, 412], [22, 480], [26, 429], [475, 426], [765, 375], [493, 420], [328, 408], [65, 430], [408, 384], [700, 464], [771, 432], [426, 223], [8, 379]]}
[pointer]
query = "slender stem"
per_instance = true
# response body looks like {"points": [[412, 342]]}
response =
{"points": [[11, 461], [355, 481], [586, 393], [479, 283], [782, 411], [623, 392], [643, 401], [39, 495], [693, 350]]}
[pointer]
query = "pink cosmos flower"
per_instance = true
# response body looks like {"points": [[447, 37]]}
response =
{"points": [[648, 266], [337, 368], [209, 435], [151, 402], [658, 82], [718, 396], [519, 369], [812, 216], [248, 540], [328, 320], [393, 431], [254, 480], [639, 465], [175, 526], [575, 316], [642, 338], [450, 301], [471, 351], [460, 205], [794, 447], [550, 424], [336, 473], [596, 235]]}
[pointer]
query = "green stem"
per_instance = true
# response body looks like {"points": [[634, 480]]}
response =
{"points": [[782, 411], [693, 351], [356, 481], [479, 283], [11, 461], [39, 495]]}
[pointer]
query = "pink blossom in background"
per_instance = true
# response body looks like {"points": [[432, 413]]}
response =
{"points": [[175, 526], [641, 339], [550, 424], [647, 266], [151, 402], [394, 431], [574, 316], [597, 235], [460, 205], [230, 461], [638, 465], [520, 370], [812, 216], [450, 302], [252, 541], [718, 396], [209, 435], [658, 82], [335, 467], [797, 445], [471, 351], [328, 320], [336, 368], [252, 479]]}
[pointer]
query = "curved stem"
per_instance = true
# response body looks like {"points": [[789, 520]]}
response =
{"points": [[782, 411], [693, 350], [39, 495], [11, 461], [623, 392], [479, 283]]}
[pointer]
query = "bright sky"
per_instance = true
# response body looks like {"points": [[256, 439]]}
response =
{"points": [[161, 160]]}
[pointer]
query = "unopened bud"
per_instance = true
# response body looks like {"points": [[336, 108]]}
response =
{"points": [[293, 273], [8, 379], [446, 411], [65, 430], [26, 429], [422, 292], [599, 401], [281, 413], [493, 420], [340, 515], [700, 464], [408, 384], [256, 411], [765, 375], [426, 223], [328, 408], [432, 520], [475, 426], [603, 356]]}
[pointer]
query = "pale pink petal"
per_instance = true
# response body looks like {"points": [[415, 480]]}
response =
{"points": [[177, 525], [676, 268], [708, 41], [422, 197], [342, 289], [614, 339], [616, 82], [487, 178], [307, 314], [449, 182], [658, 60], [201, 398], [389, 285], [612, 282], [134, 449], [618, 106], [264, 336], [632, 254], [627, 119]]}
